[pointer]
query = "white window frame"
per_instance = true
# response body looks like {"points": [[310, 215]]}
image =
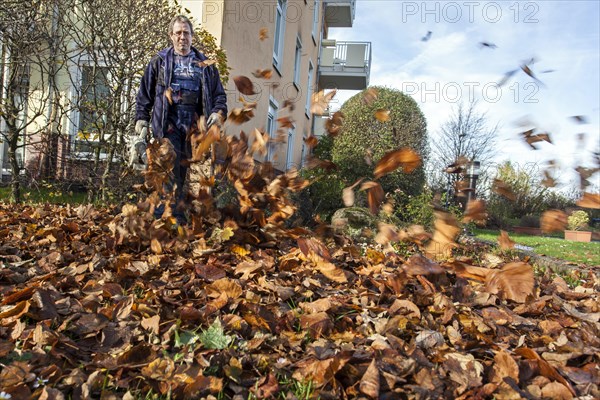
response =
{"points": [[279, 37], [289, 159], [271, 126], [76, 93], [315, 25], [298, 62], [309, 88]]}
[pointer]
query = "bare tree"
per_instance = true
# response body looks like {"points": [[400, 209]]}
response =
{"points": [[465, 135], [113, 41], [28, 38]]}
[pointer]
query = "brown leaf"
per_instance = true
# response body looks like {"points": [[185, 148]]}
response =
{"points": [[369, 383], [505, 242], [553, 221], [266, 387], [418, 264], [348, 194], [504, 365], [247, 269], [136, 355], [169, 95], [556, 390], [446, 231], [318, 324], [311, 141], [240, 115], [160, 369], [203, 384], [263, 73], [320, 372], [14, 313], [313, 245], [155, 246], [406, 158], [259, 143], [370, 95], [224, 285], [375, 195], [320, 101], [503, 189], [263, 33], [334, 124], [151, 324], [589, 200], [382, 115], [515, 281], [244, 85], [475, 212]]}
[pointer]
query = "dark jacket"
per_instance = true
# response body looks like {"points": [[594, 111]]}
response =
{"points": [[157, 78]]}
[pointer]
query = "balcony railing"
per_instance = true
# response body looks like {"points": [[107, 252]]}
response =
{"points": [[345, 66], [339, 13]]}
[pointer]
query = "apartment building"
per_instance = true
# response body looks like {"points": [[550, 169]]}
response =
{"points": [[287, 38]]}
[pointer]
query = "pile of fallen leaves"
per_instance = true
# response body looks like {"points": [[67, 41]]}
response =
{"points": [[116, 303], [91, 307]]}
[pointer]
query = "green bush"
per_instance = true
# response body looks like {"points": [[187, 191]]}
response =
{"points": [[578, 220], [364, 136], [530, 221]]}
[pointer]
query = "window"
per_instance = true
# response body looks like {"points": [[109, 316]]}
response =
{"points": [[289, 161], [92, 107], [279, 34], [309, 88], [297, 61], [271, 127], [315, 20]]}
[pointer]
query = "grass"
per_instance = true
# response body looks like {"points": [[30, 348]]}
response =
{"points": [[552, 246], [45, 194]]}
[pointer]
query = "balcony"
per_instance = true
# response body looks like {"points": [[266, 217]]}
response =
{"points": [[339, 13], [345, 65]]}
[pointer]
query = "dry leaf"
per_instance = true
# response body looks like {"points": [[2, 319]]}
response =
{"points": [[475, 212], [370, 95], [320, 101], [369, 383], [503, 189], [263, 33], [244, 85], [515, 281], [263, 73], [553, 221], [406, 158], [589, 200], [382, 115], [505, 242]]}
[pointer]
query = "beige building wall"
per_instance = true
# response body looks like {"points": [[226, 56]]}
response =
{"points": [[240, 23]]}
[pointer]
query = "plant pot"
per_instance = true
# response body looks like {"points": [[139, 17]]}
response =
{"points": [[528, 230], [578, 236]]}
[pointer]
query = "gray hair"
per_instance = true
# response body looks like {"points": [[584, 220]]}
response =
{"points": [[180, 18]]}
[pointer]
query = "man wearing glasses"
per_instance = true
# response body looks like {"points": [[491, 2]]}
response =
{"points": [[176, 89]]}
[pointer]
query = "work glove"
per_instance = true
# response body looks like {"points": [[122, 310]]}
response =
{"points": [[137, 147], [214, 118]]}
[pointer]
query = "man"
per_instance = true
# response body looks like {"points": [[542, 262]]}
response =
{"points": [[175, 90]]}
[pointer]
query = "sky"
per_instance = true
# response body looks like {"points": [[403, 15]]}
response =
{"points": [[451, 67]]}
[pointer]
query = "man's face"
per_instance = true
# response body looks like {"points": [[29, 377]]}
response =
{"points": [[181, 38]]}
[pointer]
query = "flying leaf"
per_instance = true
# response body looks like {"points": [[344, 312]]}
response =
{"points": [[244, 85], [475, 212], [240, 115], [375, 195], [553, 221], [589, 200], [263, 73], [320, 101], [503, 189], [406, 158], [370, 95], [348, 194], [382, 115], [311, 141], [263, 33], [169, 95], [443, 239], [505, 242]]}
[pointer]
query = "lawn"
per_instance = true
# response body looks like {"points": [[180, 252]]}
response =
{"points": [[551, 246], [45, 194]]}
